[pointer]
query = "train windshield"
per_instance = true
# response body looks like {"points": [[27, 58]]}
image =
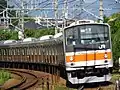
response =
{"points": [[87, 34]]}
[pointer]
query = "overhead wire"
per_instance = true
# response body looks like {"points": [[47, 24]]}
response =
{"points": [[46, 3]]}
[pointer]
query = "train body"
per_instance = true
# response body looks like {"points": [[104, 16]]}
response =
{"points": [[83, 49], [43, 52], [88, 52]]}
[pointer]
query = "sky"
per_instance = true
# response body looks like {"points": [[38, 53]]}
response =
{"points": [[92, 6], [110, 6]]}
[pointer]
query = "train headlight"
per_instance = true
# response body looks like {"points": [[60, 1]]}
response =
{"points": [[71, 58], [105, 56]]}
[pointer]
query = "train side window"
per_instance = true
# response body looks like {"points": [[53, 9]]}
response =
{"points": [[14, 51], [0, 52], [7, 51], [10, 51], [46, 54], [56, 53], [25, 51], [4, 51], [50, 53], [36, 51], [42, 55], [39, 50], [28, 51], [51, 58], [18, 51], [32, 52]]}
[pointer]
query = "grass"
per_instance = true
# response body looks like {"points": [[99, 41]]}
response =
{"points": [[4, 76], [115, 77]]}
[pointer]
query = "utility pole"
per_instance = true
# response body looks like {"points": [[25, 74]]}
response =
{"points": [[21, 32], [101, 11], [56, 15], [81, 6], [65, 13], [4, 19], [7, 20]]}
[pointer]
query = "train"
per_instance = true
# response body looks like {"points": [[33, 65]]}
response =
{"points": [[83, 48]]}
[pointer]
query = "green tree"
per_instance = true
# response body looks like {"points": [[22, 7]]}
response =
{"points": [[3, 4], [38, 33], [105, 19], [114, 22], [8, 34]]}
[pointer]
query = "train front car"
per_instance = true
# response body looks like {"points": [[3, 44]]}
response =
{"points": [[88, 53]]}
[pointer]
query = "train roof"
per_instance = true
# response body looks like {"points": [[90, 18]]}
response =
{"points": [[84, 22], [32, 43], [58, 35], [9, 41], [46, 37], [29, 39]]}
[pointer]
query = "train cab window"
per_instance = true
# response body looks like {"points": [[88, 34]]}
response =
{"points": [[87, 34], [92, 34], [72, 36]]}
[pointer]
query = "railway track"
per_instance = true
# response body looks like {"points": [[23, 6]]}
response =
{"points": [[83, 88], [28, 79], [95, 86]]}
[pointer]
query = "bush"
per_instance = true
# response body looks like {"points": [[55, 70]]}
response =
{"points": [[4, 76]]}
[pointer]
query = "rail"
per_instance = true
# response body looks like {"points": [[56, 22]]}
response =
{"points": [[81, 88], [22, 85], [23, 79]]}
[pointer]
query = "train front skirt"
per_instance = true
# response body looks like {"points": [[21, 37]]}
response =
{"points": [[90, 79]]}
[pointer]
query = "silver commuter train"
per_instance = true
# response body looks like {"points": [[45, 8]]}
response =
{"points": [[84, 50], [88, 52]]}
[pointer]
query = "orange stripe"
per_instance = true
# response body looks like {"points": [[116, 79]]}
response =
{"points": [[89, 57]]}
